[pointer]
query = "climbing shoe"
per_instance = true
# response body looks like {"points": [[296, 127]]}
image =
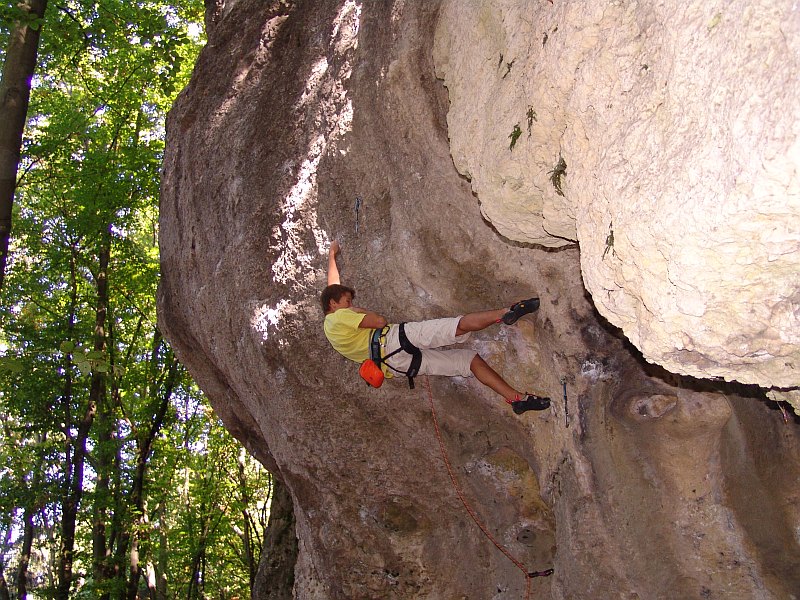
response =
{"points": [[519, 309], [529, 402]]}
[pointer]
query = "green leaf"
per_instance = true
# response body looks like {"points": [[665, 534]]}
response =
{"points": [[11, 364], [83, 366]]}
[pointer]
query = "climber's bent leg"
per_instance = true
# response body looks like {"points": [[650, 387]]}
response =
{"points": [[492, 379], [479, 320]]}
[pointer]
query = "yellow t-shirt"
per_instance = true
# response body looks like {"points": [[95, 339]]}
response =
{"points": [[347, 338]]}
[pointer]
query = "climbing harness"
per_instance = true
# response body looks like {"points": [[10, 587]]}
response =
{"points": [[370, 369], [566, 408], [517, 563]]}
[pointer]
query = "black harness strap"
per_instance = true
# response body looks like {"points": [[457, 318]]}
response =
{"points": [[416, 356], [405, 346]]}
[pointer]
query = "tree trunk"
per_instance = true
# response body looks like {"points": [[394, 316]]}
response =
{"points": [[70, 503], [144, 450], [161, 555], [196, 577], [4, 595], [104, 462], [15, 93], [74, 487], [63, 563], [200, 539], [25, 554], [107, 466], [247, 538], [275, 579]]}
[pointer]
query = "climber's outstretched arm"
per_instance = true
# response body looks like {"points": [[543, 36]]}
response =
{"points": [[333, 270]]}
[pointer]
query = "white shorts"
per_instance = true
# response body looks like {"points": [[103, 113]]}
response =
{"points": [[427, 335]]}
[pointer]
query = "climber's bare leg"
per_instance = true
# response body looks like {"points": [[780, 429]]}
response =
{"points": [[479, 320], [491, 379]]}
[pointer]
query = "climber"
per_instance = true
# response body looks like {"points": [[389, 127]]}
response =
{"points": [[350, 330]]}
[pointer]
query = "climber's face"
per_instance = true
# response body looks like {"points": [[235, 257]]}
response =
{"points": [[346, 301]]}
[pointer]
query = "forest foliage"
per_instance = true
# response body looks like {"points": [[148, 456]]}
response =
{"points": [[116, 479]]}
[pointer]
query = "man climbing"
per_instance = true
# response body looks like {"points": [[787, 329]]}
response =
{"points": [[350, 330]]}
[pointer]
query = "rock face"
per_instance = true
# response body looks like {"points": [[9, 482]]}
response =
{"points": [[644, 484], [679, 128]]}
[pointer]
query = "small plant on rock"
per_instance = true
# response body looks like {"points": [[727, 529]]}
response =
{"points": [[515, 133], [557, 173], [531, 118]]}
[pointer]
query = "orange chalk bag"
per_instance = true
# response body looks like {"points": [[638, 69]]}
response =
{"points": [[371, 373]]}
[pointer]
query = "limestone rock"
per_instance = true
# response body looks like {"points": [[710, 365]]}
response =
{"points": [[679, 127], [643, 484]]}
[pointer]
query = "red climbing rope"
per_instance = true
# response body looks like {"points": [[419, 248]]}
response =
{"points": [[528, 574]]}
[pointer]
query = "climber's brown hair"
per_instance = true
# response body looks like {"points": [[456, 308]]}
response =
{"points": [[334, 292]]}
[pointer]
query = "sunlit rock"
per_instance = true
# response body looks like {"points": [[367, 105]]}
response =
{"points": [[678, 128]]}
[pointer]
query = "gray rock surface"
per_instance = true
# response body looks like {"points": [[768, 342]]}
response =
{"points": [[660, 487]]}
